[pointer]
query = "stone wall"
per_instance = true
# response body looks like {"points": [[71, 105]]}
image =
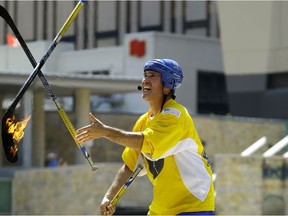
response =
{"points": [[72, 190], [221, 134], [232, 135], [251, 185], [244, 186]]}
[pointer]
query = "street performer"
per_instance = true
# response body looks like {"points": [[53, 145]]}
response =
{"points": [[165, 141]]}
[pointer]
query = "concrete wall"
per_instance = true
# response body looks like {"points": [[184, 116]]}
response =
{"points": [[255, 44], [254, 36]]}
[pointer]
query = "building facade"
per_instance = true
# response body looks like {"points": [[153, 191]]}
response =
{"points": [[233, 54], [253, 77]]}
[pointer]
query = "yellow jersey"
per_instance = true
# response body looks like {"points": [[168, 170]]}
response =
{"points": [[174, 161]]}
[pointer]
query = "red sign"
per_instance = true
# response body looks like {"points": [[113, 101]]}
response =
{"points": [[137, 48]]}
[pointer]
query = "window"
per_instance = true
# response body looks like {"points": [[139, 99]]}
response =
{"points": [[212, 93], [277, 81]]}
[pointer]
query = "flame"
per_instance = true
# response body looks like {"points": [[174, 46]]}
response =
{"points": [[17, 130]]}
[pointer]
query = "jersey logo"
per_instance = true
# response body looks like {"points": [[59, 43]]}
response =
{"points": [[171, 111], [155, 167]]}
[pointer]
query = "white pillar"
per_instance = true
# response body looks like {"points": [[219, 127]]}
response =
{"points": [[82, 109], [38, 127], [2, 156], [26, 143]]}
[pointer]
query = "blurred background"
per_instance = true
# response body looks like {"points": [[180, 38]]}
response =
{"points": [[234, 56]]}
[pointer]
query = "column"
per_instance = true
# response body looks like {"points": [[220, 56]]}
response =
{"points": [[2, 156], [123, 20], [167, 16], [80, 33], [179, 16], [92, 19], [38, 128], [133, 16], [26, 143], [82, 109]]}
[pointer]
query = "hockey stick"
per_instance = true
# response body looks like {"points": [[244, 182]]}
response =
{"points": [[7, 138], [127, 184], [48, 88]]}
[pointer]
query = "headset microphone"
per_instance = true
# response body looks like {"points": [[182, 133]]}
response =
{"points": [[139, 87]]}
